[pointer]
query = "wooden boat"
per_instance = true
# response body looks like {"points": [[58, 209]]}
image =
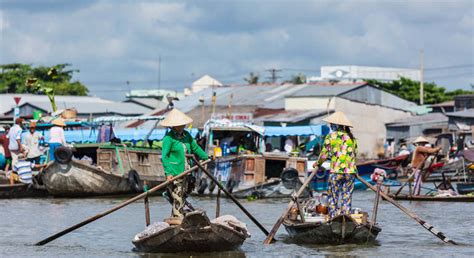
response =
{"points": [[341, 229], [118, 170], [21, 190], [465, 187], [196, 233], [247, 169], [390, 165], [455, 198]]}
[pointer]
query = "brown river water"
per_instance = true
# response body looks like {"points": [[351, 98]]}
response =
{"points": [[26, 221]]}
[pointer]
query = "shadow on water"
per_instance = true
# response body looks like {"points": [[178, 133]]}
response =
{"points": [[330, 247], [236, 254]]}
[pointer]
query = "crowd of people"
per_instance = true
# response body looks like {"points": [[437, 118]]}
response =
{"points": [[23, 150]]}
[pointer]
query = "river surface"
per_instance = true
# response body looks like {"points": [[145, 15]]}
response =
{"points": [[26, 221]]}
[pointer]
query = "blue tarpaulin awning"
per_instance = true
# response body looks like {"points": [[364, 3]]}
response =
{"points": [[87, 136], [304, 130]]}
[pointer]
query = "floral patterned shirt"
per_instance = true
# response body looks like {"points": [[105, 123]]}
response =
{"points": [[341, 149]]}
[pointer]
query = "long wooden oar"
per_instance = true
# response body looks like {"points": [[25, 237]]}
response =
{"points": [[259, 225], [123, 204], [412, 215], [277, 225]]}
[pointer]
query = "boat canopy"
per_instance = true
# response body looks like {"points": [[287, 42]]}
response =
{"points": [[104, 119], [89, 136], [304, 130]]}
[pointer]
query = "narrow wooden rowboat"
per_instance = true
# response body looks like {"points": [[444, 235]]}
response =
{"points": [[341, 229], [455, 198], [196, 233], [21, 190]]}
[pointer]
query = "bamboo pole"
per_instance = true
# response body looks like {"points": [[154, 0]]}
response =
{"points": [[410, 214], [252, 218], [218, 203], [274, 230], [376, 201]]}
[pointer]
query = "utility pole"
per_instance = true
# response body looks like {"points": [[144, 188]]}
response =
{"points": [[273, 77], [159, 72], [421, 78], [129, 89]]}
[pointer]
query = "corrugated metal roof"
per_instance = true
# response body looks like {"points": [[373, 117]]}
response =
{"points": [[7, 102], [266, 96], [151, 103], [444, 104], [422, 119], [468, 113], [120, 108], [292, 116], [315, 90]]}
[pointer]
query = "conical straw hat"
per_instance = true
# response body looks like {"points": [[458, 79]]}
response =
{"points": [[176, 118], [338, 118], [421, 139], [59, 122]]}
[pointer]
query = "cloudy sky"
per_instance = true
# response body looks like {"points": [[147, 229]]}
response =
{"points": [[112, 42]]}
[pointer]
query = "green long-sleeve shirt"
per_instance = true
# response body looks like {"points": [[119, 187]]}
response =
{"points": [[172, 154]]}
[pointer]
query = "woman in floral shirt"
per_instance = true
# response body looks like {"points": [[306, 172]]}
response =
{"points": [[340, 147]]}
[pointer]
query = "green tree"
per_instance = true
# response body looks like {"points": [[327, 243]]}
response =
{"points": [[298, 79], [13, 79], [410, 90], [252, 78]]}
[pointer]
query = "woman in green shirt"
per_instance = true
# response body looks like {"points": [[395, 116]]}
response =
{"points": [[340, 147], [176, 144]]}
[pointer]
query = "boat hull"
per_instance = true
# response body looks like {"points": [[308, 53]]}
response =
{"points": [[340, 230], [20, 190], [195, 234], [465, 188], [456, 198], [76, 179]]}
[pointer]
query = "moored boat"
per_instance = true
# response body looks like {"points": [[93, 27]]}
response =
{"points": [[434, 198], [245, 167], [21, 190], [118, 170], [465, 187], [196, 233]]}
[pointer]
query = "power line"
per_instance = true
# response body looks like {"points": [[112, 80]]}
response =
{"points": [[273, 74], [450, 75], [451, 67]]}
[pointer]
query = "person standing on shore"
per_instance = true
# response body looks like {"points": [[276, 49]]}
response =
{"points": [[56, 136], [14, 140], [340, 147], [32, 140], [176, 144]]}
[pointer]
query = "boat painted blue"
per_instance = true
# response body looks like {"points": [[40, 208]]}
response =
{"points": [[465, 188]]}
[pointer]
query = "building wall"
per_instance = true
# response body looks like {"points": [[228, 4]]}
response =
{"points": [[306, 103], [369, 123], [200, 117], [354, 72]]}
